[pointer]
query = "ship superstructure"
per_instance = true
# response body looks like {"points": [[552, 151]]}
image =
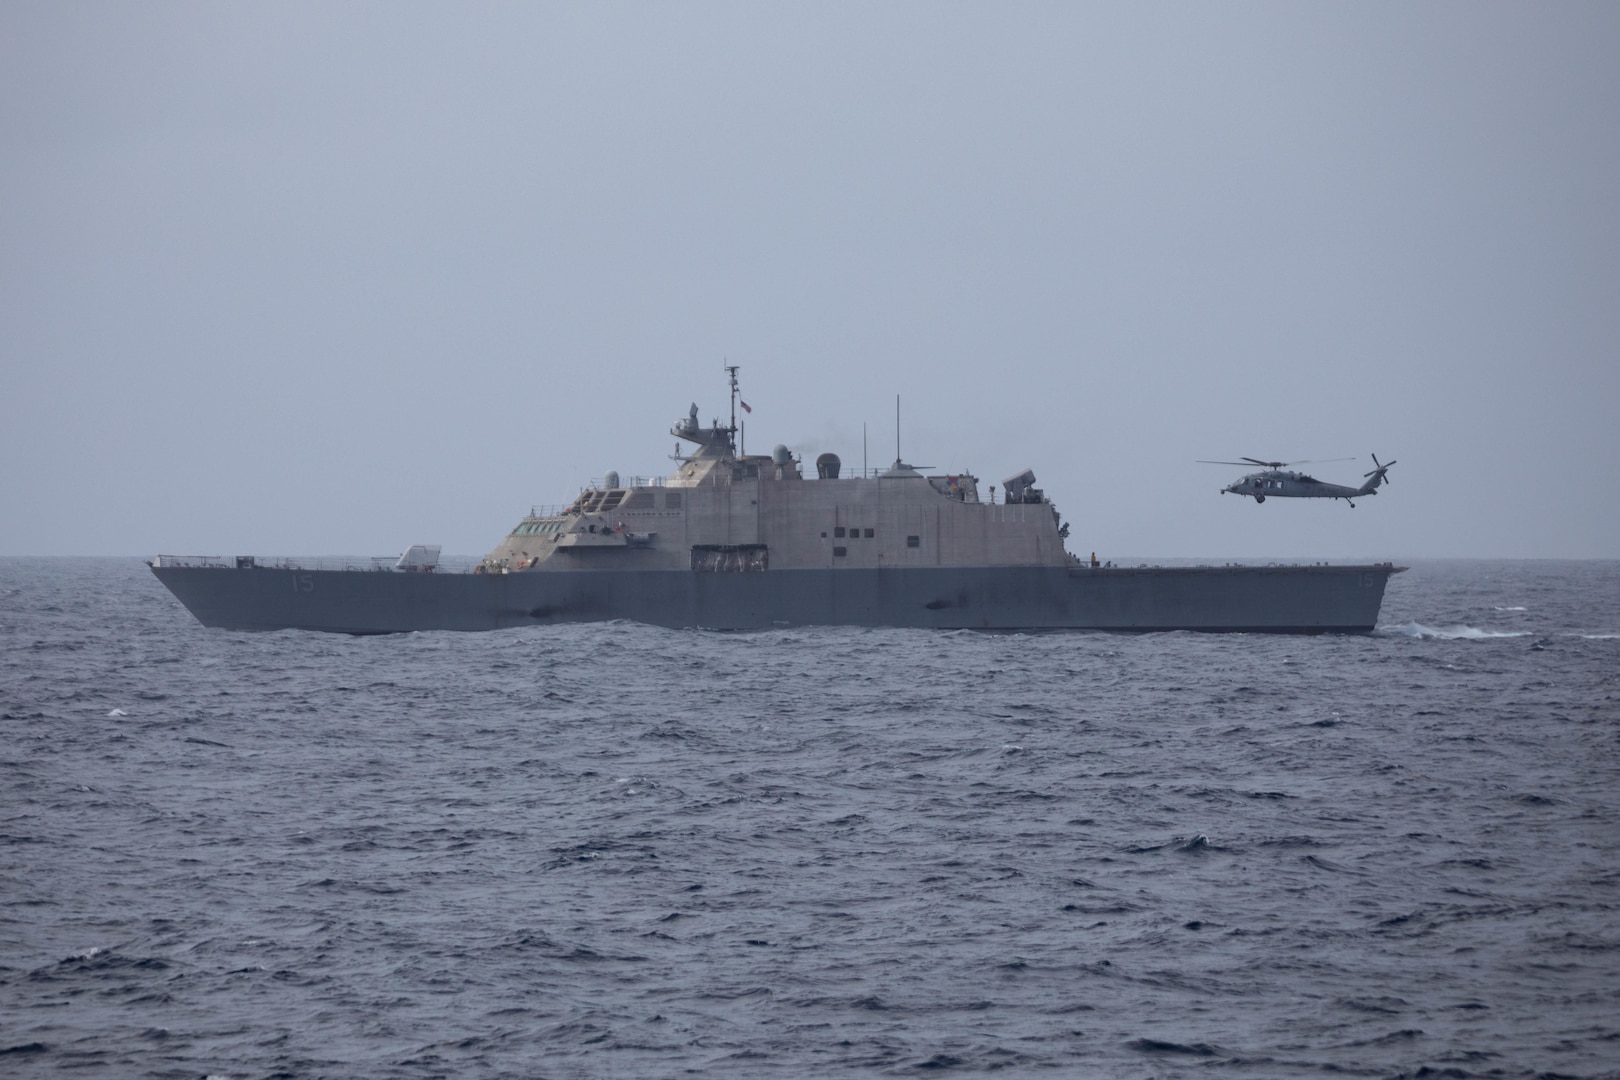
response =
{"points": [[722, 509]]}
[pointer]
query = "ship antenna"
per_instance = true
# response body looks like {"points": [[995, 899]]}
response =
{"points": [[897, 431]]}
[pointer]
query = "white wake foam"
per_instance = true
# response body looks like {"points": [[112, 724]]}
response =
{"points": [[1448, 633]]}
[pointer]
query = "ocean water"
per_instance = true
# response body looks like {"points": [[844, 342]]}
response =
{"points": [[619, 851]]}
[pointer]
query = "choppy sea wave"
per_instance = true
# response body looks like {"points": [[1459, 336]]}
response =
{"points": [[622, 850]]}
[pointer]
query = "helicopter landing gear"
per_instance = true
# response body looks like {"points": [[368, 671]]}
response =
{"points": [[1259, 499]]}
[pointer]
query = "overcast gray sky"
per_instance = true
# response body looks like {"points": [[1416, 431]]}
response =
{"points": [[337, 278]]}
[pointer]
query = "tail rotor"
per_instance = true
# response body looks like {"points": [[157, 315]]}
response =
{"points": [[1377, 476]]}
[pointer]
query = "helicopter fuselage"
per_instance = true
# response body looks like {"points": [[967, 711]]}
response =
{"points": [[1281, 484]]}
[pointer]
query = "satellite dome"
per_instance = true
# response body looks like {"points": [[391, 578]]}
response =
{"points": [[827, 466], [611, 480], [781, 455]]}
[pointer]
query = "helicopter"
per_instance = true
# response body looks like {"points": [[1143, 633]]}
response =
{"points": [[1297, 485]]}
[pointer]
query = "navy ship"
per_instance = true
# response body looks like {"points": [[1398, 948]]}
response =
{"points": [[734, 541]]}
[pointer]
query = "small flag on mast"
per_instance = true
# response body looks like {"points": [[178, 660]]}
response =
{"points": [[744, 404]]}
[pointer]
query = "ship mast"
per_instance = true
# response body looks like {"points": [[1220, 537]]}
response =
{"points": [[731, 369]]}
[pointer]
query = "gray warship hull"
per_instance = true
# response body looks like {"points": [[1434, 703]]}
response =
{"points": [[1252, 599]]}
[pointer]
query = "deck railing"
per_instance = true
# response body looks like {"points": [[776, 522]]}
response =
{"points": [[454, 564]]}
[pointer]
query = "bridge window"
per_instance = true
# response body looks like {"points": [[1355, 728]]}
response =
{"points": [[840, 551], [913, 541], [869, 534], [838, 530]]}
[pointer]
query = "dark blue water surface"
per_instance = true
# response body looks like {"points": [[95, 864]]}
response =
{"points": [[621, 851]]}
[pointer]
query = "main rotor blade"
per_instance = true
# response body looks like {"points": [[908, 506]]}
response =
{"points": [[1275, 464]]}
